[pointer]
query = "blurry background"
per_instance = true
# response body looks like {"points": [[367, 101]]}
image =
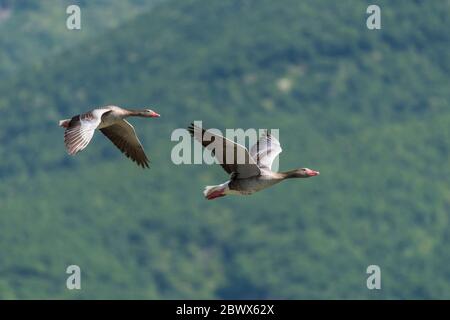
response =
{"points": [[369, 109]]}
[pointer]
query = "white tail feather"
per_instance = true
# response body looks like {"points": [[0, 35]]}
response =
{"points": [[64, 123]]}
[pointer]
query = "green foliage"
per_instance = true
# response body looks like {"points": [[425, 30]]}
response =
{"points": [[34, 31], [366, 108]]}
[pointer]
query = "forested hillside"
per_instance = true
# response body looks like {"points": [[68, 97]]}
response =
{"points": [[369, 109], [33, 31]]}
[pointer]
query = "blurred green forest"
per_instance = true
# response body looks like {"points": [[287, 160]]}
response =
{"points": [[369, 109], [31, 31]]}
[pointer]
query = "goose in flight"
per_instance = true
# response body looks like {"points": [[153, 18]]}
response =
{"points": [[253, 172], [110, 120]]}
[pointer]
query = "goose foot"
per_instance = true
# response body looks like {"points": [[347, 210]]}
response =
{"points": [[215, 194]]}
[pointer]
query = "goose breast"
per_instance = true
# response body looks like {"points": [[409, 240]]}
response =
{"points": [[253, 184]]}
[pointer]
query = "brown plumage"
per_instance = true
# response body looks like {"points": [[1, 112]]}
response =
{"points": [[124, 138], [228, 154], [110, 120], [252, 172]]}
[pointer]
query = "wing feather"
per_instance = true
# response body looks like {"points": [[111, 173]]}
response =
{"points": [[123, 136], [265, 150], [234, 158], [80, 130]]}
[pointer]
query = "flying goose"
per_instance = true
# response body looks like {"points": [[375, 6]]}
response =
{"points": [[110, 120], [253, 173]]}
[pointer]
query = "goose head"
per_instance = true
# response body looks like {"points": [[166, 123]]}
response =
{"points": [[306, 172], [150, 113], [301, 173]]}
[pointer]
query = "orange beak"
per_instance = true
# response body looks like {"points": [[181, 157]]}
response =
{"points": [[312, 173], [154, 115]]}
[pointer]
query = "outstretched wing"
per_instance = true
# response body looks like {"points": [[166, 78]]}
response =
{"points": [[124, 137], [233, 157], [265, 150], [81, 128]]}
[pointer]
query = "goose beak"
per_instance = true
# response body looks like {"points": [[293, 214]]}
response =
{"points": [[154, 115], [312, 173]]}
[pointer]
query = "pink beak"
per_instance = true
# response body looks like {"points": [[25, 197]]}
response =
{"points": [[154, 115], [312, 173]]}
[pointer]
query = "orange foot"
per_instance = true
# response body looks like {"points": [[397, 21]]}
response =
{"points": [[215, 194]]}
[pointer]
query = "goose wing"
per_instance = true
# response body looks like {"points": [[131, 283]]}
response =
{"points": [[81, 128], [234, 158], [265, 150], [124, 137]]}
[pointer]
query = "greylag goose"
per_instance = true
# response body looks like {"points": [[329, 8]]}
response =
{"points": [[254, 173], [110, 120]]}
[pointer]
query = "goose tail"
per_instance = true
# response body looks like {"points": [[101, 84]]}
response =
{"points": [[64, 123]]}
